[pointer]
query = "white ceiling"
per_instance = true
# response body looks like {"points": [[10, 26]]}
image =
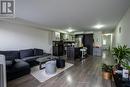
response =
{"points": [[78, 14]]}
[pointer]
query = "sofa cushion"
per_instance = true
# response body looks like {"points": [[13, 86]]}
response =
{"points": [[21, 64], [26, 53], [18, 66], [38, 52], [10, 55], [19, 69]]}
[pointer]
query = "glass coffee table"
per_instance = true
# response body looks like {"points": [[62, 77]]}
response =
{"points": [[43, 60]]}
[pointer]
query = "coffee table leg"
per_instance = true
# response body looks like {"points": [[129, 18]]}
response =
{"points": [[40, 67]]}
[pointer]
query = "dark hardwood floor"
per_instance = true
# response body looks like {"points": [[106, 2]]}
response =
{"points": [[83, 74]]}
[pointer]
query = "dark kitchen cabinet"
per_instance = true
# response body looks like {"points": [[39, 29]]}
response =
{"points": [[58, 48], [73, 53]]}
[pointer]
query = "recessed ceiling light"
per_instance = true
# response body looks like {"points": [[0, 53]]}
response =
{"points": [[98, 26], [70, 29]]}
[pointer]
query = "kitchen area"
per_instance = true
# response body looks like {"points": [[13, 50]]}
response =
{"points": [[78, 46]]}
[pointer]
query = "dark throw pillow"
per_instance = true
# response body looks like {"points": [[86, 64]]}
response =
{"points": [[26, 53], [38, 52], [10, 55]]}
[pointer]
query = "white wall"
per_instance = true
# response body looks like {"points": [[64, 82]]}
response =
{"points": [[15, 37], [123, 37]]}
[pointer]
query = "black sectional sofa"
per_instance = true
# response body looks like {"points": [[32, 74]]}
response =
{"points": [[19, 63]]}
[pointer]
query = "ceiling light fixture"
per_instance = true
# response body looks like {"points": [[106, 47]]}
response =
{"points": [[107, 34], [98, 26], [70, 29]]}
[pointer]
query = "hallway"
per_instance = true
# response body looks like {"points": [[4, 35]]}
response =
{"points": [[83, 74]]}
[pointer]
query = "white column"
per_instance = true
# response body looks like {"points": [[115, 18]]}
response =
{"points": [[2, 71]]}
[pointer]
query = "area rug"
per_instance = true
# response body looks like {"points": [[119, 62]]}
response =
{"points": [[41, 75]]}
